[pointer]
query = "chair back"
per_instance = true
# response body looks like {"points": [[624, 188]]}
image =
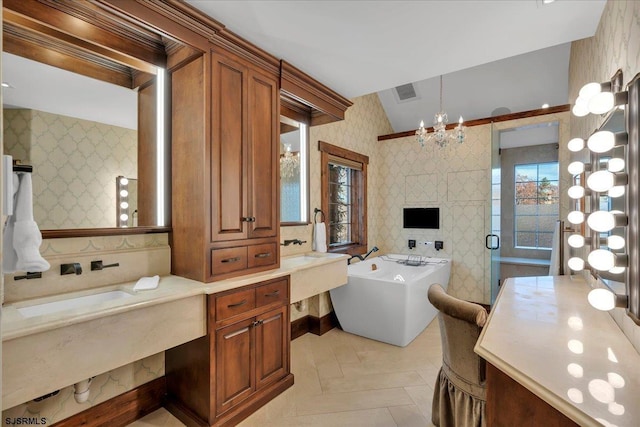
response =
{"points": [[460, 325]]}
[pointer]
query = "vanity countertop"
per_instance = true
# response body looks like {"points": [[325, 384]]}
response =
{"points": [[170, 288], [544, 334]]}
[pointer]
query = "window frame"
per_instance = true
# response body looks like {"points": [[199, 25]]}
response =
{"points": [[537, 216], [359, 196]]}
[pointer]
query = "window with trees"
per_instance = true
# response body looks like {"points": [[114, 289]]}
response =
{"points": [[536, 204], [344, 198]]}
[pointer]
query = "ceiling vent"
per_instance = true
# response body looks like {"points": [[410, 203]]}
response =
{"points": [[406, 92]]}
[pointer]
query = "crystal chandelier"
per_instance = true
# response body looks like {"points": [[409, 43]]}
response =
{"points": [[440, 135], [289, 162]]}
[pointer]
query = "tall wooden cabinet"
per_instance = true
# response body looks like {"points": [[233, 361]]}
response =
{"points": [[242, 362], [225, 168]]}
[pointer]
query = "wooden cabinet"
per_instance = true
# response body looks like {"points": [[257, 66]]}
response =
{"points": [[243, 361], [225, 166]]}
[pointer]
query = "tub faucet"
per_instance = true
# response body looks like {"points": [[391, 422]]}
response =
{"points": [[362, 258], [294, 241]]}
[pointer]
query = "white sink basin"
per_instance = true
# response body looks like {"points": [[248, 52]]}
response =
{"points": [[71, 303]]}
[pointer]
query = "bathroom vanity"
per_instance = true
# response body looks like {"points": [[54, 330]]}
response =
{"points": [[555, 359]]}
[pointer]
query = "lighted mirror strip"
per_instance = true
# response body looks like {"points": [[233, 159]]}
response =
{"points": [[160, 148], [606, 181]]}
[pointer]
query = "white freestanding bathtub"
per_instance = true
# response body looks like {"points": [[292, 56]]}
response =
{"points": [[386, 300]]}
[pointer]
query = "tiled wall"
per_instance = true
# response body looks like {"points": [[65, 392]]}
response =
{"points": [[138, 255], [616, 45], [457, 180], [75, 164]]}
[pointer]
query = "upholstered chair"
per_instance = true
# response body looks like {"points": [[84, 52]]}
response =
{"points": [[460, 393]]}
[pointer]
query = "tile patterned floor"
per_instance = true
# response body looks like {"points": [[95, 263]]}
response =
{"points": [[346, 380]]}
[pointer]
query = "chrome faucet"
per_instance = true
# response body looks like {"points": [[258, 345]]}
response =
{"points": [[294, 241], [362, 258]]}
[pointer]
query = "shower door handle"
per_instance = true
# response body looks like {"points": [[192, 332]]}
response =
{"points": [[488, 244]]}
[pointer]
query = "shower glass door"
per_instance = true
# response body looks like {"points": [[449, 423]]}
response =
{"points": [[492, 240]]}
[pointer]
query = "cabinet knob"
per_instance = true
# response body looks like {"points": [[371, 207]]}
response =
{"points": [[256, 323], [248, 219]]}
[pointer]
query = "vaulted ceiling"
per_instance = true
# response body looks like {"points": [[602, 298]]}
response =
{"points": [[362, 47]]}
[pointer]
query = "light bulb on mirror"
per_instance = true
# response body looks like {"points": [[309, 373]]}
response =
{"points": [[601, 259], [576, 264], [575, 144], [601, 142], [576, 192], [575, 168], [579, 110], [615, 164], [124, 205], [576, 241], [124, 181], [616, 191], [124, 217], [602, 299], [589, 90], [124, 193], [617, 270], [601, 181], [575, 217], [601, 103], [615, 242], [601, 221]]}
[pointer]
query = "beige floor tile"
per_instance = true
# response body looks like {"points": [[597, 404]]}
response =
{"points": [[380, 417], [369, 399], [372, 382], [422, 397], [159, 418], [408, 416]]}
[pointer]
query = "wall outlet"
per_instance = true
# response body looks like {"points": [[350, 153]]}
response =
{"points": [[439, 245], [412, 243]]}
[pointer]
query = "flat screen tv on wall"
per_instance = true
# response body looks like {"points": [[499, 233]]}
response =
{"points": [[421, 218]]}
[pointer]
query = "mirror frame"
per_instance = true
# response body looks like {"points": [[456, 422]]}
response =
{"points": [[91, 46]]}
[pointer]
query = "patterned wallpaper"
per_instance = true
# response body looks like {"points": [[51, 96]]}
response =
{"points": [[75, 163], [616, 45]]}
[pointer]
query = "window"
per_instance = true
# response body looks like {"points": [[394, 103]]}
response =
{"points": [[536, 204], [344, 198]]}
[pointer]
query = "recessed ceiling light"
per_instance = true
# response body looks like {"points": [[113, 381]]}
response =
{"points": [[547, 1], [5, 84], [545, 105]]}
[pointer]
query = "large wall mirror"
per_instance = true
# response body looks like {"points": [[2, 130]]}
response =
{"points": [[294, 172], [85, 116]]}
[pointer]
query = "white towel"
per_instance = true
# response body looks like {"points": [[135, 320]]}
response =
{"points": [[319, 237], [146, 283], [9, 256], [26, 235]]}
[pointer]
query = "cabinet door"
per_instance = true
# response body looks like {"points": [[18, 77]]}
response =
{"points": [[272, 346], [228, 149], [235, 364], [263, 154]]}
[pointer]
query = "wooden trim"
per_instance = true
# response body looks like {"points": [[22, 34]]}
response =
{"points": [[334, 150], [487, 120], [315, 325], [122, 409], [91, 232], [298, 85], [299, 327]]}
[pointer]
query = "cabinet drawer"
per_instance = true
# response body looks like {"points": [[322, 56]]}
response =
{"points": [[236, 303], [259, 255], [228, 260], [272, 292]]}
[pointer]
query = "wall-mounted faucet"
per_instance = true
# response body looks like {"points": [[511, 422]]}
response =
{"points": [[362, 258], [72, 268], [97, 265], [294, 241]]}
